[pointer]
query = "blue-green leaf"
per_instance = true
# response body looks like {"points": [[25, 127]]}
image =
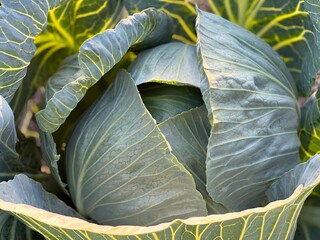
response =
{"points": [[142, 30], [23, 190], [20, 22], [277, 220], [120, 168], [188, 135], [172, 63], [176, 66], [251, 99], [283, 24], [64, 91], [9, 164], [165, 101]]}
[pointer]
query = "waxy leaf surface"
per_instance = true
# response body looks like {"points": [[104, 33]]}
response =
{"points": [[120, 168], [251, 100]]}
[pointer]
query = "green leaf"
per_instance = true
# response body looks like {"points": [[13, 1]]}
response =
{"points": [[277, 220], [312, 6], [283, 24], [12, 228], [172, 63], [20, 21], [304, 176], [9, 164], [188, 135], [142, 30], [64, 91], [164, 101], [69, 25], [119, 166], [310, 113], [251, 100], [308, 223], [182, 12], [309, 131], [49, 150]]}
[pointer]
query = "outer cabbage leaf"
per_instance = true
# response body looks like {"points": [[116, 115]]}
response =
{"points": [[23, 190], [182, 12], [20, 21], [119, 166], [303, 175], [310, 128], [308, 222], [9, 158], [142, 30], [275, 221], [64, 91], [251, 100], [69, 25], [12, 228], [188, 135], [310, 112], [284, 24], [172, 63], [67, 86]]}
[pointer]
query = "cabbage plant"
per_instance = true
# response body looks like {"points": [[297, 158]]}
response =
{"points": [[160, 119]]}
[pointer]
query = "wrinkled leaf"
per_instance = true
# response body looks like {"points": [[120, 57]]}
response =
{"points": [[275, 221], [142, 30], [188, 135], [182, 12], [119, 165], [9, 164], [251, 100], [172, 63], [20, 22], [284, 24], [164, 101], [64, 91]]}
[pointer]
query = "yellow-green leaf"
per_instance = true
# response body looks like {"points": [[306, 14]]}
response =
{"points": [[20, 22], [277, 220]]}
